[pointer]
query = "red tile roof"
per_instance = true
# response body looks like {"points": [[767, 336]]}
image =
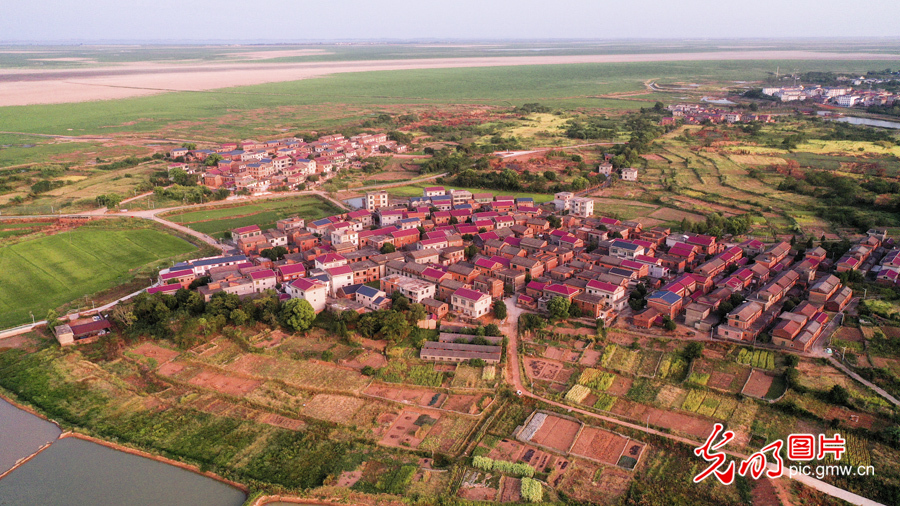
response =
{"points": [[473, 295]]}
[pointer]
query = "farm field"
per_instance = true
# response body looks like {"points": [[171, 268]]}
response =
{"points": [[43, 273], [216, 220]]}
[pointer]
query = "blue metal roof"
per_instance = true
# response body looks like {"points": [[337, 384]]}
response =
{"points": [[368, 291], [665, 296]]}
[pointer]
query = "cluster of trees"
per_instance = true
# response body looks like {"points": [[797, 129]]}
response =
{"points": [[445, 160], [843, 200], [154, 314], [128, 162], [108, 200], [181, 177], [637, 300], [717, 225], [46, 185], [531, 108], [191, 194], [591, 128]]}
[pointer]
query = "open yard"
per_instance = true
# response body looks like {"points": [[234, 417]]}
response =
{"points": [[43, 273]]}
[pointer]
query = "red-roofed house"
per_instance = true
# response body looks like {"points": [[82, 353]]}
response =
{"points": [[290, 272], [309, 290], [263, 280], [471, 303]]}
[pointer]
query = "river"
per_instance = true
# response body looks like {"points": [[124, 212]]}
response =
{"points": [[76, 472], [868, 122]]}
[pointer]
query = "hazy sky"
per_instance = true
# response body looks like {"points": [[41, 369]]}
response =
{"points": [[289, 20]]}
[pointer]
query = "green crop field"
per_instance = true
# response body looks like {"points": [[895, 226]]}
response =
{"points": [[43, 273], [215, 221]]}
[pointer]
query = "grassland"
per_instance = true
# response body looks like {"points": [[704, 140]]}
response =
{"points": [[223, 113], [215, 221], [43, 273]]}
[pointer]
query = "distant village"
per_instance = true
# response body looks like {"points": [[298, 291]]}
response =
{"points": [[456, 253], [256, 166], [842, 96], [696, 114]]}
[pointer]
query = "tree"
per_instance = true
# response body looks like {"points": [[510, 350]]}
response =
{"points": [[239, 317], [668, 324], [212, 159], [471, 251], [838, 395], [190, 146], [554, 221], [108, 200], [791, 360], [558, 308], [693, 350], [394, 327], [273, 254], [531, 321], [388, 248], [416, 313], [499, 310], [574, 311], [400, 302], [492, 329], [550, 175], [297, 315]]}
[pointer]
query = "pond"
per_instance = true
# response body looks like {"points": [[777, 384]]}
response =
{"points": [[76, 472]]}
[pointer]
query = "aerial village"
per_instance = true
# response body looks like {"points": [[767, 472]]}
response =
{"points": [[457, 252], [278, 164]]}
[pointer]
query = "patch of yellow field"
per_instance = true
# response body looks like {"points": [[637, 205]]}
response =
{"points": [[853, 147], [71, 178], [756, 159], [539, 122]]}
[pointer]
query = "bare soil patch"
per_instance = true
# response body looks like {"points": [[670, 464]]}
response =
{"points": [[462, 403], [226, 384], [405, 432], [556, 433], [850, 418], [759, 384], [348, 478], [333, 408], [511, 490], [156, 352], [590, 357], [547, 370], [679, 422], [420, 396], [600, 445], [373, 360], [620, 386]]}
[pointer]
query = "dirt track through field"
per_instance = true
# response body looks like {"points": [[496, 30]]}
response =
{"points": [[27, 86]]}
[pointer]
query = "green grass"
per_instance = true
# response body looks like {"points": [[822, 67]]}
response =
{"points": [[565, 86], [43, 273], [217, 220]]}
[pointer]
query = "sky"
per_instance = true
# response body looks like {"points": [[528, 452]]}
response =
{"points": [[324, 20]]}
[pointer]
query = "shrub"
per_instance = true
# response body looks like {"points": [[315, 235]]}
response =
{"points": [[531, 490]]}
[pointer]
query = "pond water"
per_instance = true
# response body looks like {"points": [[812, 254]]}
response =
{"points": [[868, 122], [22, 434], [356, 202], [76, 472]]}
